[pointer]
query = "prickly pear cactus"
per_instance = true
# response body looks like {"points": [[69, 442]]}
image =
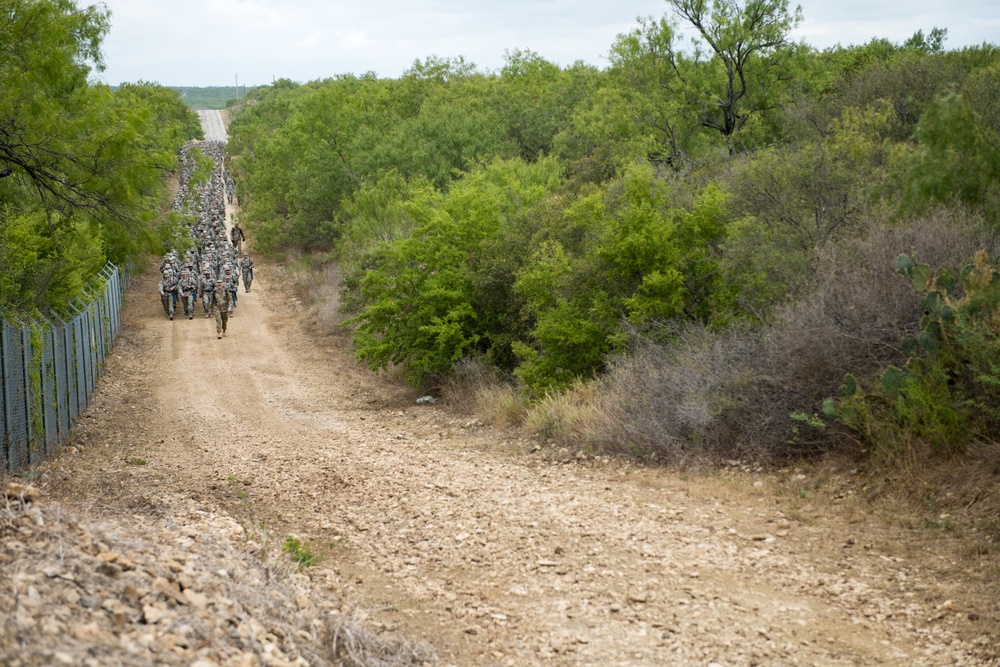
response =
{"points": [[947, 295]]}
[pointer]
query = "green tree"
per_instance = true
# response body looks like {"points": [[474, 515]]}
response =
{"points": [[957, 160], [748, 42], [658, 91], [82, 167], [48, 49]]}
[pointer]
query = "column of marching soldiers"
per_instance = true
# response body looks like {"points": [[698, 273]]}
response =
{"points": [[214, 260]]}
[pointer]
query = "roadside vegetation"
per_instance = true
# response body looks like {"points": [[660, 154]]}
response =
{"points": [[211, 97], [83, 168], [694, 253]]}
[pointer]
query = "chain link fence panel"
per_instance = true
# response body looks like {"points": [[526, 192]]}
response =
{"points": [[49, 369]]}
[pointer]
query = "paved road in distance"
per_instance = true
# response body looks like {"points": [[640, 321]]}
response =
{"points": [[211, 122]]}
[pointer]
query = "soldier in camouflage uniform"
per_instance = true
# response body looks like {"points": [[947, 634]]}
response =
{"points": [[168, 292], [231, 280], [187, 286], [238, 236], [207, 286], [220, 306], [247, 267]]}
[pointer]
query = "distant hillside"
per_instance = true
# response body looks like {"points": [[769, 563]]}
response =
{"points": [[209, 97]]}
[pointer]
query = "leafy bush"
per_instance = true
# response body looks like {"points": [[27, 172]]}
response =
{"points": [[417, 305], [957, 161]]}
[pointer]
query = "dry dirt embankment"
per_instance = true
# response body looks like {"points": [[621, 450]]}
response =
{"points": [[196, 450]]}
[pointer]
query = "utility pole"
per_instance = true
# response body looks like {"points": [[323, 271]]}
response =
{"points": [[237, 89]]}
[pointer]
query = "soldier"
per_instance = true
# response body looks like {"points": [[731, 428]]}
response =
{"points": [[231, 281], [188, 288], [238, 236], [168, 292], [207, 286], [247, 267], [220, 306]]}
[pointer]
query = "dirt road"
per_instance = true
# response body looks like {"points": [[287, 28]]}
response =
{"points": [[211, 123]]}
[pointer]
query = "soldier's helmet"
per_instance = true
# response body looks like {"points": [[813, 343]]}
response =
{"points": [[246, 254]]}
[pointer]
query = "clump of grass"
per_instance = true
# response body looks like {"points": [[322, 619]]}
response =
{"points": [[298, 551], [353, 645], [569, 417], [501, 405], [475, 386]]}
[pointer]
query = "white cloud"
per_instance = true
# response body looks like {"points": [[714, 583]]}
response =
{"points": [[209, 42]]}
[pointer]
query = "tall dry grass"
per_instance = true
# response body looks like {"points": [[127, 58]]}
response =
{"points": [[318, 280]]}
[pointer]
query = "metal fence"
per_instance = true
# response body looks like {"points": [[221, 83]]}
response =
{"points": [[49, 368]]}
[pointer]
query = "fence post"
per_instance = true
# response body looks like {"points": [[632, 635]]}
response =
{"points": [[61, 370], [5, 399], [21, 450]]}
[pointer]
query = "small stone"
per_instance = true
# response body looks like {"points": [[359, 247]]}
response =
{"points": [[28, 494], [134, 594], [153, 615], [196, 600], [89, 632], [169, 590]]}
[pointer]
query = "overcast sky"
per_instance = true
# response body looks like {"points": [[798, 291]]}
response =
{"points": [[210, 42]]}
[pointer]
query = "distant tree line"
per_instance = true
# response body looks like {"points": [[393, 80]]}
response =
{"points": [[211, 97]]}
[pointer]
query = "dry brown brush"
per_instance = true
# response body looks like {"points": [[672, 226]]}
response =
{"points": [[755, 393]]}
